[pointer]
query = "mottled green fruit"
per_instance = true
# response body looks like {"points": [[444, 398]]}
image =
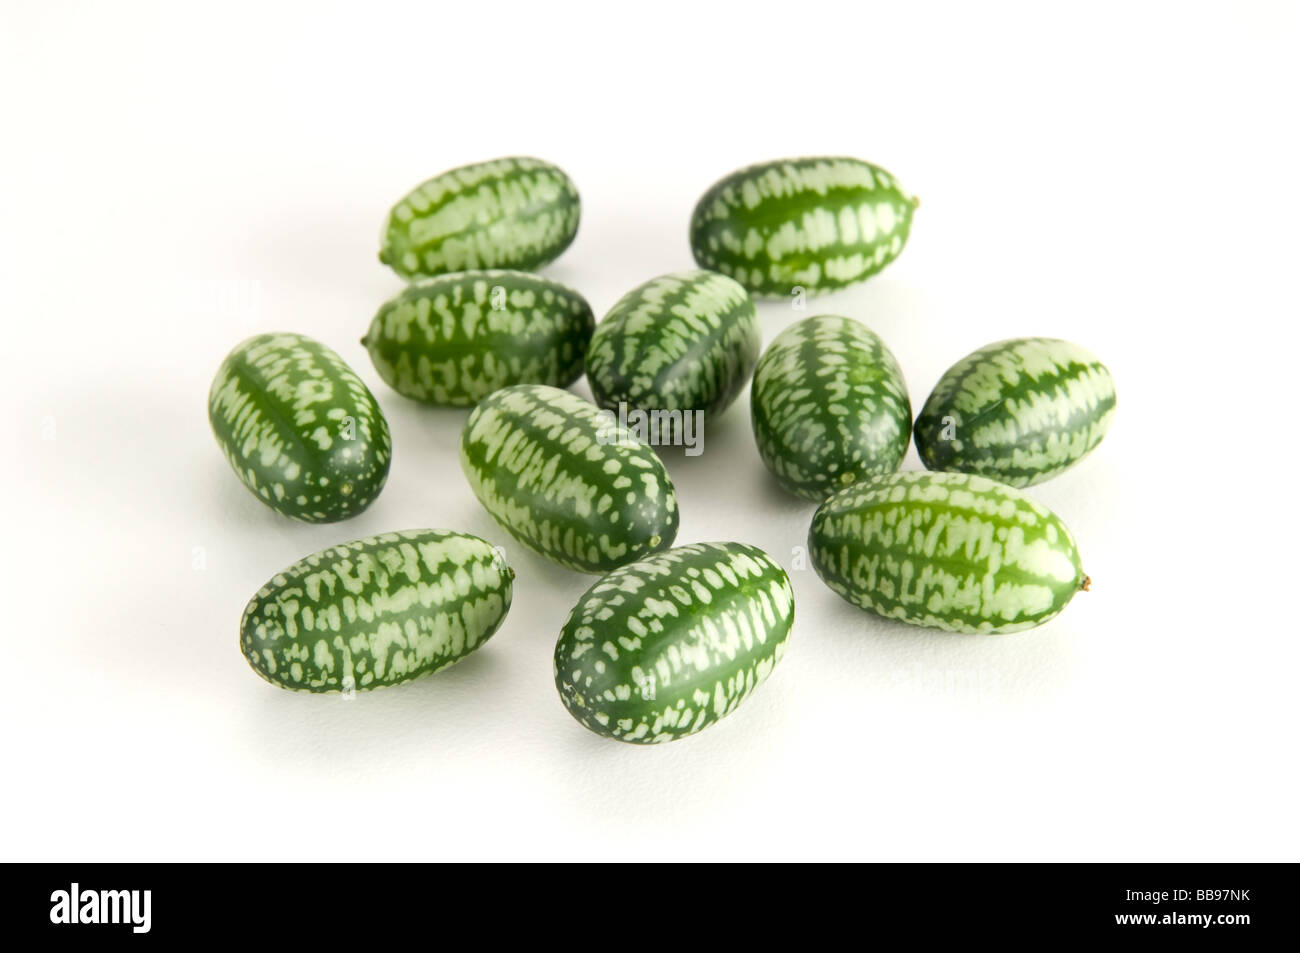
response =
{"points": [[566, 479], [666, 646], [686, 341], [1020, 411], [300, 428], [453, 339], [829, 407], [946, 550], [816, 224], [506, 213], [376, 611]]}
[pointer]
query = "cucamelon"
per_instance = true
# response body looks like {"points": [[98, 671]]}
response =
{"points": [[507, 213], [299, 428], [947, 550], [815, 223], [1019, 411], [567, 479], [680, 342], [667, 645], [829, 406], [453, 339], [376, 611]]}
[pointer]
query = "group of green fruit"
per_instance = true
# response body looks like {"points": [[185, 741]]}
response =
{"points": [[668, 640]]}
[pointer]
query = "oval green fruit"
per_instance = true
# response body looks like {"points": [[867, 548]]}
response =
{"points": [[516, 212], [376, 611], [815, 223], [453, 339], [566, 479], [829, 406], [666, 646], [946, 550], [299, 428], [685, 341], [1019, 411]]}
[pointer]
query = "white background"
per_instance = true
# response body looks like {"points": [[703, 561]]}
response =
{"points": [[172, 181]]}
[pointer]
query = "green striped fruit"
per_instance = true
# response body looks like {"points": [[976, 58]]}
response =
{"points": [[300, 428], [668, 645], [506, 213], [946, 550], [816, 224], [680, 342], [453, 339], [376, 611], [566, 479], [1019, 411], [829, 406]]}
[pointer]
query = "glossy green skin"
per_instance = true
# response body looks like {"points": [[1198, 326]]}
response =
{"points": [[946, 550], [668, 645], [815, 224], [299, 428], [453, 339], [829, 407], [566, 480], [683, 341], [1020, 411], [376, 611], [517, 212]]}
